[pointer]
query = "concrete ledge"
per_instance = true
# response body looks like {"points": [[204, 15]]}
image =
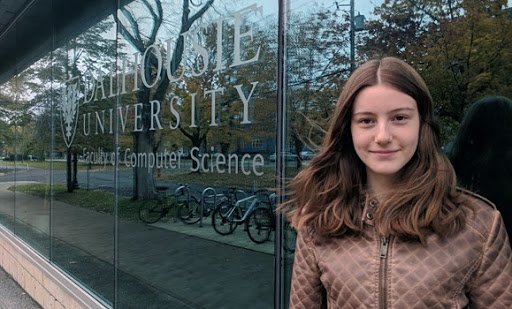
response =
{"points": [[44, 282]]}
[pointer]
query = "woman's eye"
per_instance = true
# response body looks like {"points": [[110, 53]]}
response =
{"points": [[400, 118], [365, 121]]}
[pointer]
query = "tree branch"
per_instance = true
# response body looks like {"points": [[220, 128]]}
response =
{"points": [[127, 35], [201, 11], [188, 135], [133, 23], [177, 55], [157, 19]]}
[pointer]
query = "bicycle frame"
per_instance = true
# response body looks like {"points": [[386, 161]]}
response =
{"points": [[213, 200], [246, 214]]}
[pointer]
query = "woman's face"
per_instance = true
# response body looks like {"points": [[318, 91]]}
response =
{"points": [[385, 130]]}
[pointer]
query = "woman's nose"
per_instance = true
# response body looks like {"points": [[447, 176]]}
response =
{"points": [[383, 135]]}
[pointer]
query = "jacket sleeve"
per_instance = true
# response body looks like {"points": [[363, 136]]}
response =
{"points": [[492, 287], [307, 290]]}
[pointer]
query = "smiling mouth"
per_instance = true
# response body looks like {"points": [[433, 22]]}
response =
{"points": [[383, 152]]}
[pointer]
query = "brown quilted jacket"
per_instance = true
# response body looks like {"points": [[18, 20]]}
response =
{"points": [[472, 269]]}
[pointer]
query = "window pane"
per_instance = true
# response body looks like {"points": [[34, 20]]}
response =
{"points": [[206, 90], [83, 224]]}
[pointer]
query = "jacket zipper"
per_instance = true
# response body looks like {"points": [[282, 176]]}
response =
{"points": [[384, 248]]}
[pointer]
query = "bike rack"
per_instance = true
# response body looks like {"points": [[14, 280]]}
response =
{"points": [[183, 188], [202, 203]]}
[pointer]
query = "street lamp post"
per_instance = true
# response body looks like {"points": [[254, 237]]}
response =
{"points": [[356, 24], [352, 38]]}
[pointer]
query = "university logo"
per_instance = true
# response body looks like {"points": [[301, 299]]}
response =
{"points": [[69, 109]]}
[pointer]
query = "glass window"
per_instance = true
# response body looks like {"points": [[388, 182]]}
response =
{"points": [[83, 162], [9, 94], [257, 143], [198, 86]]}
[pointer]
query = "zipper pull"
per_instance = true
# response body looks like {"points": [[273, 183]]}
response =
{"points": [[384, 244]]}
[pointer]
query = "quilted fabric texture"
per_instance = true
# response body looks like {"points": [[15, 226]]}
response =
{"points": [[472, 269]]}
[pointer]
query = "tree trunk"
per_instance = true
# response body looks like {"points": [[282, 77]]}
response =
{"points": [[69, 180], [75, 170], [144, 180], [144, 183]]}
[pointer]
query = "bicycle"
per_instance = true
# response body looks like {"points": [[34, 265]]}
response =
{"points": [[261, 221], [153, 211], [289, 233], [290, 237], [264, 228], [189, 214], [258, 219]]}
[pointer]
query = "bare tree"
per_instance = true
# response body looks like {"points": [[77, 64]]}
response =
{"points": [[145, 142]]}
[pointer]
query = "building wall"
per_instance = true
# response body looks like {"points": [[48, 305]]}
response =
{"points": [[45, 283]]}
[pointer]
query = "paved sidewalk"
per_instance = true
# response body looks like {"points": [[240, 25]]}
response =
{"points": [[165, 265], [12, 296]]}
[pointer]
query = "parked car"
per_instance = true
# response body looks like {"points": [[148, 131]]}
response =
{"points": [[307, 155], [288, 156]]}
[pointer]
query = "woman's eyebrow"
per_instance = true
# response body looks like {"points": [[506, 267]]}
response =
{"points": [[363, 113], [400, 109]]}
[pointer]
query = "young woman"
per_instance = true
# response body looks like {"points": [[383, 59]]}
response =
{"points": [[380, 221]]}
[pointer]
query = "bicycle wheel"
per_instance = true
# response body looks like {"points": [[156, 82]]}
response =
{"points": [[290, 237], [151, 211], [189, 211], [223, 219], [259, 225]]}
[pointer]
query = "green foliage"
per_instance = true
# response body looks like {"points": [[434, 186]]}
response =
{"points": [[461, 48]]}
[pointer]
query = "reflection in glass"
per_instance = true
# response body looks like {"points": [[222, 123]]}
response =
{"points": [[481, 152], [8, 96], [82, 161], [196, 126]]}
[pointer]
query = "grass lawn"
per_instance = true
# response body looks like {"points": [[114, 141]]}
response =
{"points": [[56, 165], [97, 200]]}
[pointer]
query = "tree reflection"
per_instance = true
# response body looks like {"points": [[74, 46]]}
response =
{"points": [[141, 37]]}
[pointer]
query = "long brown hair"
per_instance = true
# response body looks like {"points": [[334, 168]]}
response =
{"points": [[328, 195]]}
